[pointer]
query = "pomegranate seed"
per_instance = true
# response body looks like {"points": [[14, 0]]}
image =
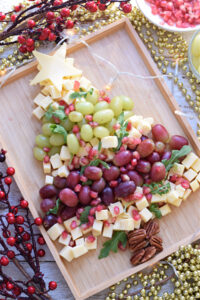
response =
{"points": [[90, 239], [116, 126], [93, 124], [46, 149], [106, 223], [138, 196], [125, 140], [76, 85], [107, 99], [71, 107], [82, 143], [84, 161], [91, 220], [77, 188], [64, 234], [95, 202], [136, 155], [121, 247], [59, 220], [46, 159], [113, 183], [84, 226], [99, 208], [89, 118], [75, 129], [93, 194], [83, 178], [134, 162], [92, 211], [137, 217], [185, 185], [116, 210], [73, 224], [149, 197], [72, 243], [146, 190]]}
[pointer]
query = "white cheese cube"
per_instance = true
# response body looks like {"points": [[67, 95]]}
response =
{"points": [[127, 204], [196, 165], [172, 196], [56, 161], [158, 198], [55, 231], [130, 210], [97, 227], [54, 173], [190, 175], [46, 102], [46, 168], [65, 240], [68, 84], [79, 250], [134, 133], [144, 127], [165, 210], [116, 208], [55, 105], [68, 223], [177, 169], [135, 120], [67, 98], [76, 233], [38, 99], [102, 215], [108, 231], [142, 203], [80, 241], [180, 190], [198, 177], [194, 185], [190, 159], [86, 231], [91, 245], [38, 112], [187, 194], [124, 215], [55, 94], [177, 202], [109, 142], [48, 179], [67, 253], [137, 223], [146, 215], [126, 224], [63, 171], [64, 153]]}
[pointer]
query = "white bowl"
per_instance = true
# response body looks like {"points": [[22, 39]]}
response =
{"points": [[158, 21]]}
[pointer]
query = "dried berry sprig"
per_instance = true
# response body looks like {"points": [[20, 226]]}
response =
{"points": [[18, 239]]}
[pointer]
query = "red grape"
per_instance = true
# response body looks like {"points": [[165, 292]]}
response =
{"points": [[111, 174], [177, 142], [160, 147], [48, 191], [153, 157], [98, 185], [158, 172], [166, 155], [107, 196], [137, 178], [124, 189], [122, 158], [49, 221], [93, 173], [73, 179], [68, 197], [68, 212], [84, 195], [60, 182], [146, 147], [143, 166], [160, 133], [47, 204]]}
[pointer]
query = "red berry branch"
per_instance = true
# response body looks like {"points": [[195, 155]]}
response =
{"points": [[46, 19], [18, 239]]}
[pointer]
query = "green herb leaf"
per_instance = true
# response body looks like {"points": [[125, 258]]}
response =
{"points": [[80, 94], [88, 182], [122, 131], [54, 210], [58, 113], [59, 129], [159, 188], [85, 214], [155, 209], [175, 157], [49, 113], [95, 163], [112, 245], [99, 146]]}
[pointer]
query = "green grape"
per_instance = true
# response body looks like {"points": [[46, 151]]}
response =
{"points": [[54, 150], [46, 130], [73, 143], [42, 141], [103, 116], [86, 108], [57, 139], [128, 114], [93, 98], [75, 116], [45, 120], [101, 131], [116, 105], [86, 132], [83, 122], [110, 125], [38, 153], [101, 106], [67, 124], [128, 103]]}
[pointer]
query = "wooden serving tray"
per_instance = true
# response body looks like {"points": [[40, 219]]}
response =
{"points": [[120, 44]]}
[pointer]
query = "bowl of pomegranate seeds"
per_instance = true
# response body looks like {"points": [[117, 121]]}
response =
{"points": [[172, 15]]}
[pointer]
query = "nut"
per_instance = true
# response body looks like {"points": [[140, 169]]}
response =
{"points": [[152, 228], [149, 253], [137, 256], [156, 241], [138, 246], [136, 236]]}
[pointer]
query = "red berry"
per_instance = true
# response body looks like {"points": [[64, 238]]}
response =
{"points": [[4, 261], [23, 49], [65, 12], [69, 24], [52, 285], [11, 241], [29, 247], [20, 229], [17, 8], [38, 221], [102, 6], [50, 15], [93, 8], [13, 18], [16, 291], [41, 252], [10, 171], [127, 8], [52, 37], [57, 2], [2, 195], [11, 219], [24, 203], [30, 49], [41, 240], [2, 16], [11, 254], [26, 236], [21, 39], [31, 23], [74, 7], [46, 31], [30, 42], [20, 219], [8, 180], [9, 286], [31, 290]]}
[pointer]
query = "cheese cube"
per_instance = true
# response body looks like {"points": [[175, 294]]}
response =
{"points": [[198, 177], [134, 133], [38, 99], [38, 112], [46, 168], [67, 253], [46, 102], [177, 202], [190, 159], [146, 215], [142, 203], [64, 153], [56, 161], [48, 179], [80, 241], [137, 223], [102, 215], [79, 250], [135, 120], [194, 185], [127, 204], [54, 173], [165, 210], [116, 208], [126, 224], [86, 231], [55, 105], [187, 194], [172, 196], [68, 223], [177, 169], [196, 165], [124, 215], [67, 98], [130, 210], [108, 231], [63, 171], [180, 190], [109, 142], [76, 233], [190, 174], [68, 84], [94, 142], [158, 198], [45, 91], [65, 241], [116, 225], [55, 94], [82, 152], [144, 127], [110, 155], [85, 83], [97, 227], [91, 245], [55, 231]]}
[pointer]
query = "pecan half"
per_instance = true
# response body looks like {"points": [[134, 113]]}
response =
{"points": [[152, 228], [136, 236], [156, 241], [137, 256], [138, 246], [149, 253]]}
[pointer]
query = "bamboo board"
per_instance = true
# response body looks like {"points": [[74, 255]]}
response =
{"points": [[120, 44]]}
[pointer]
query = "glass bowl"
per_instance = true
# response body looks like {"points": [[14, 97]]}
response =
{"points": [[192, 67]]}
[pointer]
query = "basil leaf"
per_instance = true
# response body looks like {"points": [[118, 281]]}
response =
{"points": [[59, 129], [55, 209], [155, 209], [159, 187], [175, 157]]}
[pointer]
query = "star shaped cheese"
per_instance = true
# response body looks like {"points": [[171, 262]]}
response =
{"points": [[54, 68]]}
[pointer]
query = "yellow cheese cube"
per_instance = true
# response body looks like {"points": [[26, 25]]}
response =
{"points": [[45, 91], [91, 245], [46, 102], [67, 98], [54, 173], [48, 179], [190, 160], [110, 155], [82, 152], [46, 168], [86, 231], [116, 208], [64, 153], [79, 250], [142, 203], [94, 142], [177, 169], [65, 241], [55, 105], [63, 171], [194, 185], [196, 165], [108, 231], [137, 223], [38, 99], [158, 198], [198, 177], [180, 190], [127, 224], [190, 174], [130, 210], [135, 120], [177, 202], [144, 127], [172, 196], [124, 215], [68, 223], [109, 142], [102, 215], [85, 84], [134, 133], [80, 241], [55, 94], [56, 161], [38, 112], [146, 215], [165, 210], [68, 84], [67, 253], [76, 233], [97, 227], [187, 194], [55, 231]]}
